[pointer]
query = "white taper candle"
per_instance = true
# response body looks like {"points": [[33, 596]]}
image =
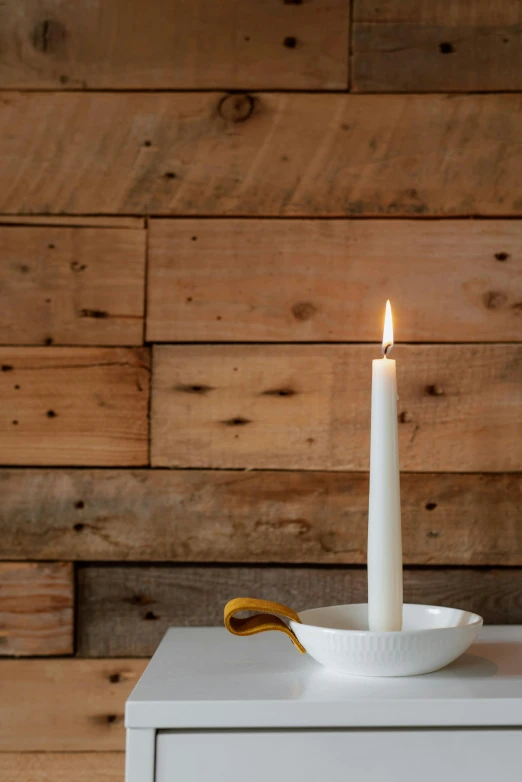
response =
{"points": [[384, 518]]}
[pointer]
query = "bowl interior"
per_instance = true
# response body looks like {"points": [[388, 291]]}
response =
{"points": [[414, 617]]}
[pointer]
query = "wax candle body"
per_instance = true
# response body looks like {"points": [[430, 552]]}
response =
{"points": [[384, 518]]}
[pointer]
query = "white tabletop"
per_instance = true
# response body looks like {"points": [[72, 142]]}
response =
{"points": [[207, 678]]}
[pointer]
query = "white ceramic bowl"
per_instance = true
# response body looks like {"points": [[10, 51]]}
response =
{"points": [[432, 637]]}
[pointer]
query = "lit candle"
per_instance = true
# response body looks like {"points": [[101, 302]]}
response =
{"points": [[384, 518]]}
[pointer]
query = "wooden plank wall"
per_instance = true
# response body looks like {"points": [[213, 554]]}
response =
{"points": [[203, 207]]}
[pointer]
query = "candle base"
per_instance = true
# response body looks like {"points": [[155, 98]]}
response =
{"points": [[431, 638]]}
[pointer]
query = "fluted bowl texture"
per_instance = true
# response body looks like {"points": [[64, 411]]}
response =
{"points": [[432, 637]]}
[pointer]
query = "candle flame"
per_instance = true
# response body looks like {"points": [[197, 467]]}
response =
{"points": [[387, 337]]}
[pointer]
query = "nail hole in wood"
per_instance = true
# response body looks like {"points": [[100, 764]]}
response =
{"points": [[290, 42], [446, 48], [279, 392], [76, 266], [431, 505], [501, 256], [79, 504], [237, 421], [78, 527], [7, 367], [51, 414], [150, 616], [99, 314], [194, 389]]}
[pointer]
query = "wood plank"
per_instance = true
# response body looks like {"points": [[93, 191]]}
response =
{"points": [[67, 406], [208, 154], [65, 705], [480, 13], [75, 286], [308, 407], [450, 56], [36, 608], [168, 44], [286, 517], [78, 221], [322, 280], [126, 610], [62, 766]]}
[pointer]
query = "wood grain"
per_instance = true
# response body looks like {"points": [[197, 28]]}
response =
{"points": [[65, 705], [323, 280], [126, 610], [175, 44], [74, 406], [436, 46], [237, 516], [208, 154], [75, 286], [455, 12], [308, 407], [78, 221], [36, 608], [62, 766]]}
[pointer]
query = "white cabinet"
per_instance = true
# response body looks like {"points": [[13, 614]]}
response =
{"points": [[212, 706]]}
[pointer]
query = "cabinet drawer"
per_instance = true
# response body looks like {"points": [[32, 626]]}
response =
{"points": [[337, 755]]}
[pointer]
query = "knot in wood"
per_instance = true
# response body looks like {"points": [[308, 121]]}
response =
{"points": [[435, 390], [494, 300], [304, 310], [48, 36], [236, 108]]}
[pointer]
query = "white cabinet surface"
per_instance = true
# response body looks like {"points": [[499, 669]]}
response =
{"points": [[211, 705]]}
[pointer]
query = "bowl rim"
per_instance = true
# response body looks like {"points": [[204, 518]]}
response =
{"points": [[476, 622]]}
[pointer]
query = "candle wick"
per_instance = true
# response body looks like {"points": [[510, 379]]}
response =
{"points": [[387, 348]]}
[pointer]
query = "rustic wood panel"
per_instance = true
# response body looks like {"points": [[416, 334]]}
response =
{"points": [[175, 45], [237, 516], [426, 46], [209, 154], [65, 705], [36, 608], [324, 280], [62, 766], [85, 406], [126, 610], [308, 407], [75, 286]]}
